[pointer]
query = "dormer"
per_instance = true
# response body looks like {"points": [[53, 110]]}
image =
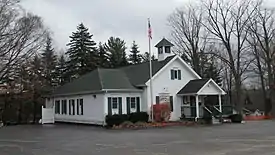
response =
{"points": [[164, 49]]}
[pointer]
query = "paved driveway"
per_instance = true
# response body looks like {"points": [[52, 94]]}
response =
{"points": [[252, 138]]}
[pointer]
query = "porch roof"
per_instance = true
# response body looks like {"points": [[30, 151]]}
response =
{"points": [[198, 87]]}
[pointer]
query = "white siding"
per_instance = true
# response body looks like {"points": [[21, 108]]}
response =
{"points": [[124, 102], [93, 110], [162, 83], [144, 96]]}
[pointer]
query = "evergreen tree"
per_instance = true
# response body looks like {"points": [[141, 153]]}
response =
{"points": [[103, 57], [37, 85], [134, 57], [49, 64], [116, 52], [146, 57], [82, 52], [62, 76]]}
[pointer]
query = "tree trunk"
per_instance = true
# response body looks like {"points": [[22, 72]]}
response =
{"points": [[239, 102], [20, 111]]}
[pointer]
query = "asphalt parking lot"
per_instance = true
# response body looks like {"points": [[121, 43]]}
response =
{"points": [[251, 138]]}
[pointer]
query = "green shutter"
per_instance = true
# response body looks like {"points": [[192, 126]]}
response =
{"points": [[82, 106], [179, 74], [128, 105], [120, 105], [138, 104], [77, 107], [70, 102], [171, 103], [109, 106], [157, 99], [73, 105], [172, 74]]}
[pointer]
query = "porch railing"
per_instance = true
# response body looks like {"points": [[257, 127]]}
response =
{"points": [[226, 109], [188, 111]]}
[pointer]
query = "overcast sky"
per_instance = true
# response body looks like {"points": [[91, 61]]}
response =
{"points": [[126, 19]]}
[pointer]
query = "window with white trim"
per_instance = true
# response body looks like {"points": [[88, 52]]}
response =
{"points": [[167, 49], [133, 102], [64, 107], [57, 107], [160, 50], [80, 106], [72, 107], [175, 74], [114, 103]]}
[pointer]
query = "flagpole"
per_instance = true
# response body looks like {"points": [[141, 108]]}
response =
{"points": [[150, 66]]}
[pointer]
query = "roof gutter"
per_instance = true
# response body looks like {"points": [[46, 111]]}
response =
{"points": [[78, 93], [121, 90]]}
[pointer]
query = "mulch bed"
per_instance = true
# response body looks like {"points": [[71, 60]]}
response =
{"points": [[256, 118], [155, 125]]}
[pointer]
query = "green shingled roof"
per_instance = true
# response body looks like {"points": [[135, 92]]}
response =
{"points": [[193, 86], [139, 74], [86, 83], [125, 78], [114, 79]]}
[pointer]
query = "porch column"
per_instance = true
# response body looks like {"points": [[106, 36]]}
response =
{"points": [[220, 102], [197, 108]]}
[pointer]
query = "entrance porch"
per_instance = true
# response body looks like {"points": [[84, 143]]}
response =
{"points": [[201, 98]]}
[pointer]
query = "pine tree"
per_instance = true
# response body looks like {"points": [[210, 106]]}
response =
{"points": [[146, 57], [103, 57], [49, 64], [135, 57], [37, 86], [62, 76], [82, 52], [116, 52]]}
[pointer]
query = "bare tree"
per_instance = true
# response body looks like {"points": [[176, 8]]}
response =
{"points": [[21, 35], [262, 31], [227, 22], [187, 34]]}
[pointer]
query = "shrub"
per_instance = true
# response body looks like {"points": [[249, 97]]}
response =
{"points": [[116, 119], [139, 116], [161, 112], [236, 118]]}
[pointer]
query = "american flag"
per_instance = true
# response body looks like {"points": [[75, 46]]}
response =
{"points": [[149, 29]]}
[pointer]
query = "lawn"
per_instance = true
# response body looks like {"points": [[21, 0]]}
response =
{"points": [[251, 138]]}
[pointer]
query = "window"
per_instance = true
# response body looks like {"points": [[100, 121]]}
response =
{"points": [[133, 103], [57, 107], [80, 107], [160, 50], [64, 107], [114, 103], [167, 49], [175, 74], [71, 107]]}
